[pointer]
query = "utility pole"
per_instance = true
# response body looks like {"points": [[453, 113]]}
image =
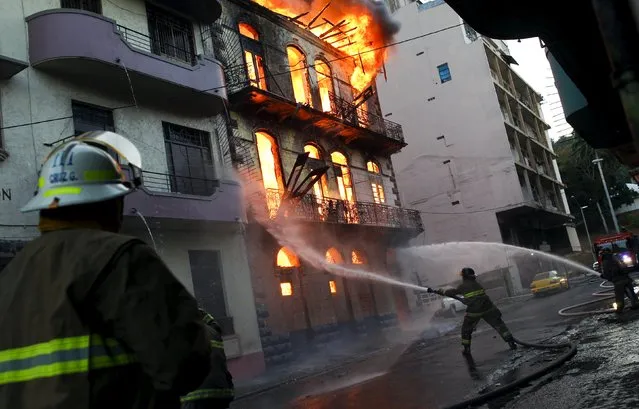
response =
{"points": [[605, 186], [603, 219], [587, 231]]}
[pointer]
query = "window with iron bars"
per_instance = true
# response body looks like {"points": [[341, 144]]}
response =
{"points": [[88, 118], [171, 35], [94, 6], [189, 160]]}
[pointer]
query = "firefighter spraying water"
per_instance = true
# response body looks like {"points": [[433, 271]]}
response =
{"points": [[479, 307]]}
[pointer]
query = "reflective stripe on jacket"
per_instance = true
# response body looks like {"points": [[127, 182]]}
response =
{"points": [[475, 297], [218, 385], [63, 356], [68, 286]]}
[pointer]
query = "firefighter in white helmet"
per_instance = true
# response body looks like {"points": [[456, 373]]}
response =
{"points": [[91, 318]]}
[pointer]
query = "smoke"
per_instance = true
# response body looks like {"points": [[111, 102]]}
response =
{"points": [[383, 17]]}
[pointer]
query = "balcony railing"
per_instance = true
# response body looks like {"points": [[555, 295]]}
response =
{"points": [[154, 46], [314, 209], [356, 116], [171, 183]]}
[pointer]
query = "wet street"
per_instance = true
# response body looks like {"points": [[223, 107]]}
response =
{"points": [[432, 373]]}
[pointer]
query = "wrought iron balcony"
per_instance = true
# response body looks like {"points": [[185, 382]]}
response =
{"points": [[327, 210], [363, 128], [356, 116]]}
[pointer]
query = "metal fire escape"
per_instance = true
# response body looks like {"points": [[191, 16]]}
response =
{"points": [[223, 42]]}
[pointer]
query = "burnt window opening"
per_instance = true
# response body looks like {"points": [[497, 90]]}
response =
{"points": [[377, 183], [253, 56], [325, 85], [299, 75], [94, 6], [189, 161], [170, 35], [320, 189], [87, 118], [345, 187], [270, 166]]}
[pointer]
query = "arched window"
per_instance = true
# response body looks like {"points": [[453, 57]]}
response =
{"points": [[253, 56], [320, 189], [325, 84], [287, 259], [343, 174], [271, 171], [249, 32], [299, 75], [358, 257], [377, 183], [333, 256]]}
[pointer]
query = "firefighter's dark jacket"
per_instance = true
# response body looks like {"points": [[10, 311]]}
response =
{"points": [[612, 268], [91, 319], [474, 295], [218, 385]]}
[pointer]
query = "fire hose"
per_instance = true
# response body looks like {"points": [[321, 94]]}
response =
{"points": [[503, 390]]}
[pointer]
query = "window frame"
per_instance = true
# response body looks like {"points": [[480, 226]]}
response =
{"points": [[253, 48], [377, 182], [79, 5], [109, 124], [306, 74], [444, 68]]}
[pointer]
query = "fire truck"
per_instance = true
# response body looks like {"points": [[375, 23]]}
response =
{"points": [[623, 245]]}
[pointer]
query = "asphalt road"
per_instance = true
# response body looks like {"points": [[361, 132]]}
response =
{"points": [[429, 374]]}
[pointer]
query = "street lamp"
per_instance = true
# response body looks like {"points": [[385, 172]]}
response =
{"points": [[583, 217], [605, 186]]}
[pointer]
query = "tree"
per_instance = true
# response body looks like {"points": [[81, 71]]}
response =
{"points": [[574, 158]]}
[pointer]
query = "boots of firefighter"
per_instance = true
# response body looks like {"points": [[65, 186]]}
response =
{"points": [[466, 350]]}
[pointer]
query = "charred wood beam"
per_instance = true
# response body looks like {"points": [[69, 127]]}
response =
{"points": [[333, 28], [341, 32], [296, 18], [314, 19]]}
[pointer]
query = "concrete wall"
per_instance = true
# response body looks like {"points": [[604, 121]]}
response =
{"points": [[174, 245], [481, 174]]}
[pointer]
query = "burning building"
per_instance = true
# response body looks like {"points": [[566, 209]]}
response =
{"points": [[300, 80]]}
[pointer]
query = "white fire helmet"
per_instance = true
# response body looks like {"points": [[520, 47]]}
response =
{"points": [[87, 169]]}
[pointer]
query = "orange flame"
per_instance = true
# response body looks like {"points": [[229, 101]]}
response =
{"points": [[365, 43]]}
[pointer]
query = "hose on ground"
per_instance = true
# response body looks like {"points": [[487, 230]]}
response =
{"points": [[502, 390]]}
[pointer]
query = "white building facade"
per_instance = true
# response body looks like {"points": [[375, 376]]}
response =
{"points": [[480, 166]]}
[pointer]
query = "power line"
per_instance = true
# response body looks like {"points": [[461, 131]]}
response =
{"points": [[44, 121], [345, 56]]}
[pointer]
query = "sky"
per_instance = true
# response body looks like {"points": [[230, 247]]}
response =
{"points": [[535, 70]]}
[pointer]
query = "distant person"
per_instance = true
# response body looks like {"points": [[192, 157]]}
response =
{"points": [[217, 390], [91, 318], [479, 306], [613, 270]]}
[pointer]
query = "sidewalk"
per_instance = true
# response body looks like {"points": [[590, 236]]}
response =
{"points": [[340, 355]]}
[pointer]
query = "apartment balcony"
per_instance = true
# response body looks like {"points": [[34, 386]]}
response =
{"points": [[358, 128], [10, 67], [327, 210], [95, 51], [179, 199]]}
